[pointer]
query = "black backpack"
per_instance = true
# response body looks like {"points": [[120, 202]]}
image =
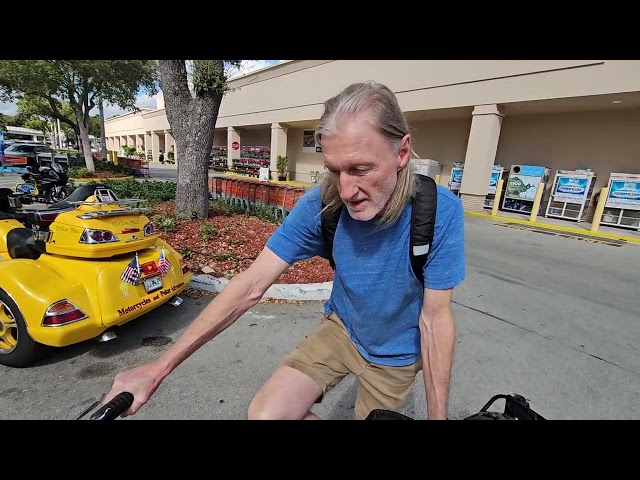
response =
{"points": [[423, 220]]}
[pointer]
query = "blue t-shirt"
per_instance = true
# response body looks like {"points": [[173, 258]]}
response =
{"points": [[375, 292]]}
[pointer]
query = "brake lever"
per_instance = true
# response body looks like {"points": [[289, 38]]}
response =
{"points": [[93, 405]]}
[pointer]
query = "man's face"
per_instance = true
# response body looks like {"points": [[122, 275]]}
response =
{"points": [[364, 167]]}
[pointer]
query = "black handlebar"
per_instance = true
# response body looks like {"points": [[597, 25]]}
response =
{"points": [[115, 408]]}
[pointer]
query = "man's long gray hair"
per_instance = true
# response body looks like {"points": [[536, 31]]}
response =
{"points": [[386, 115]]}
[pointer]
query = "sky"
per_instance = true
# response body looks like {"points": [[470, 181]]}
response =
{"points": [[144, 101]]}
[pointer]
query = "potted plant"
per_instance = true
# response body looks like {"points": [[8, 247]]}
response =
{"points": [[281, 165], [129, 151]]}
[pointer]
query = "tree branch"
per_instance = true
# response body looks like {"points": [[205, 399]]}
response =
{"points": [[175, 74], [57, 114], [86, 112]]}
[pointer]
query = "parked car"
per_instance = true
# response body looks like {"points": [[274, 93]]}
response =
{"points": [[30, 150]]}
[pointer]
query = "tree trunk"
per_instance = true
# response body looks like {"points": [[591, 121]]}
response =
{"points": [[192, 192], [103, 139], [84, 141], [193, 122]]}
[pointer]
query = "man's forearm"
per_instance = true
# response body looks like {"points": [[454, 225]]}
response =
{"points": [[437, 339], [229, 305]]}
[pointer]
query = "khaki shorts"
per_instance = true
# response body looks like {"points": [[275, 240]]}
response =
{"points": [[327, 355]]}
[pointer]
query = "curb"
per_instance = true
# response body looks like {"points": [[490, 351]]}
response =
{"points": [[588, 233], [279, 291]]}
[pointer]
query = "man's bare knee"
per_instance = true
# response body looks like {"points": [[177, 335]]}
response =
{"points": [[259, 410], [287, 395]]}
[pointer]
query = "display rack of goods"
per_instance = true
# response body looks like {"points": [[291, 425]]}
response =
{"points": [[218, 159]]}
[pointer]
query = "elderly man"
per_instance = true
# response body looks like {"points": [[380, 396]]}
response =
{"points": [[381, 323]]}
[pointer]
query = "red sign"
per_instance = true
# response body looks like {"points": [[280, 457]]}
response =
{"points": [[235, 145], [13, 160]]}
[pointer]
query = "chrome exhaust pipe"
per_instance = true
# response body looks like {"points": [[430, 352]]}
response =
{"points": [[106, 336], [175, 301]]}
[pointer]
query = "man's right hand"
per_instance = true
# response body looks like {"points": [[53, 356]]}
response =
{"points": [[141, 382]]}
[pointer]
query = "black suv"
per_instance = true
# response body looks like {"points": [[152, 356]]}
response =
{"points": [[29, 150]]}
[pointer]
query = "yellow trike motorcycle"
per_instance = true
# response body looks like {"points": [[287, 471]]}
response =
{"points": [[75, 269]]}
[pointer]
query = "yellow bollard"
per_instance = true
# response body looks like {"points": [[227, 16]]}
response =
{"points": [[597, 216], [437, 179], [536, 203], [496, 200]]}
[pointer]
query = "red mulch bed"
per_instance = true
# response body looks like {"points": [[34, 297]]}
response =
{"points": [[237, 241]]}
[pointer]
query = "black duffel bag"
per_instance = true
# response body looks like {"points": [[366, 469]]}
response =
{"points": [[516, 408]]}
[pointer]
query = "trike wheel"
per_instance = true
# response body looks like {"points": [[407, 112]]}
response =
{"points": [[17, 348]]}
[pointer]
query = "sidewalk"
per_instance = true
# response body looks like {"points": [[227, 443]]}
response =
{"points": [[580, 228]]}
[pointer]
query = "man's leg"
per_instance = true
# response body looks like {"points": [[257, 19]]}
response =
{"points": [[315, 366], [384, 387], [287, 395]]}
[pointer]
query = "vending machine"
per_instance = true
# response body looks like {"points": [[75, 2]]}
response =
{"points": [[622, 207], [496, 174], [522, 186], [455, 181], [571, 193]]}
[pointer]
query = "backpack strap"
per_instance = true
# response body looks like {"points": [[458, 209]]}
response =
{"points": [[423, 220], [329, 225]]}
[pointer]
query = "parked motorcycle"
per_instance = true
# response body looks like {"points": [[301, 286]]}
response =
{"points": [[47, 184]]}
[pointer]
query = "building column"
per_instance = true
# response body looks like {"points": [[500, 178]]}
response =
{"points": [[278, 147], [481, 155], [147, 143], [232, 136], [169, 145], [155, 146], [140, 144]]}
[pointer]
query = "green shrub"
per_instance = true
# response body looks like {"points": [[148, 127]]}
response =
{"points": [[154, 191], [207, 230]]}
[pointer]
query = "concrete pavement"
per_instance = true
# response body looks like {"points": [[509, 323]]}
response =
{"points": [[9, 180], [554, 319]]}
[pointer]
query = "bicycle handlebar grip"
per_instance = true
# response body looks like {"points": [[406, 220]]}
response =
{"points": [[115, 408]]}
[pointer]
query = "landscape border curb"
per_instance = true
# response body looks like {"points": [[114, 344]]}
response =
{"points": [[278, 291]]}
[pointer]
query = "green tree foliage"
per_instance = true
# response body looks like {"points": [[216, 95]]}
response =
{"points": [[52, 83]]}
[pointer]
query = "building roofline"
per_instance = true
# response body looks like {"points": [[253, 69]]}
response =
{"points": [[142, 110], [262, 69], [24, 130]]}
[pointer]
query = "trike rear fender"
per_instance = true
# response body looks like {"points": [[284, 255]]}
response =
{"points": [[35, 287]]}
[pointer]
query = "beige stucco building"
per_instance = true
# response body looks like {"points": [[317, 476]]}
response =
{"points": [[560, 114]]}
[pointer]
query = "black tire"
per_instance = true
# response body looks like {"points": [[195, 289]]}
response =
{"points": [[25, 351], [54, 197]]}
